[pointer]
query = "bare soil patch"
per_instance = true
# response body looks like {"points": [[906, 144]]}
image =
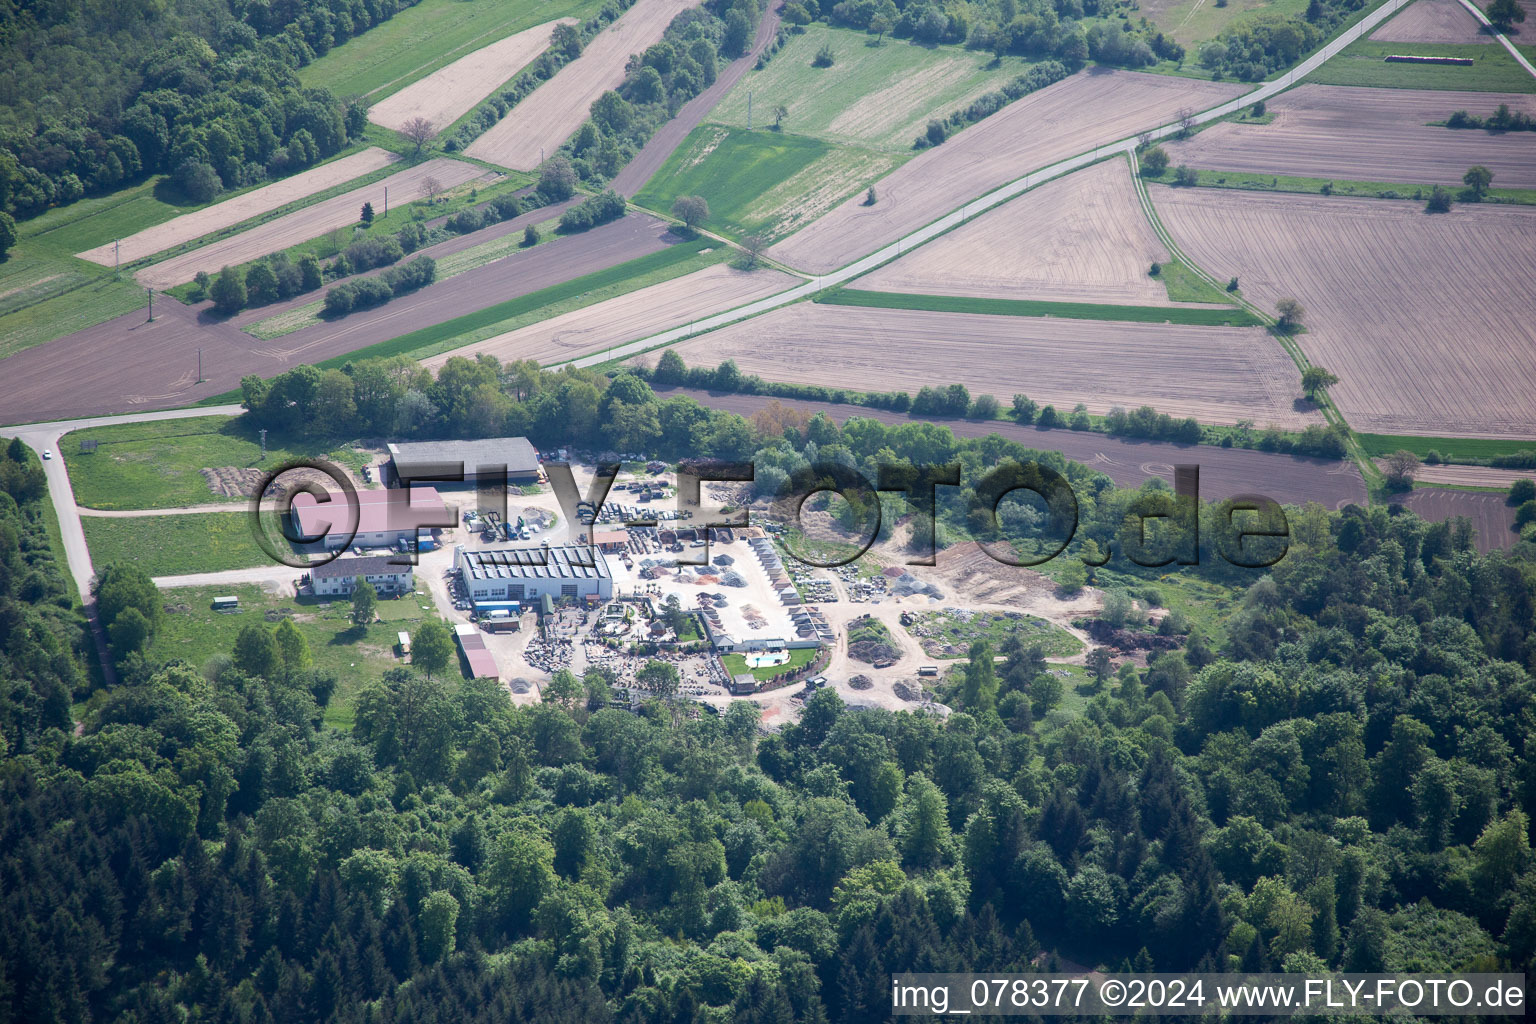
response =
{"points": [[537, 126], [191, 226], [1491, 517], [1081, 238], [1090, 108], [1425, 318], [451, 92], [1433, 21], [1217, 374], [649, 310], [1341, 131], [302, 225]]}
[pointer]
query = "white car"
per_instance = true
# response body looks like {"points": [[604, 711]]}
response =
{"points": [[47, 454]]}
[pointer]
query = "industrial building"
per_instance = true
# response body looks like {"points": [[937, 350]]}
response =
{"points": [[384, 517], [482, 459], [337, 577], [482, 664], [503, 576]]}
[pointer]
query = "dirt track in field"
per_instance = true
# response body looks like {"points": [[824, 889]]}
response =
{"points": [[1427, 319], [1224, 472], [449, 93], [191, 226], [548, 116], [650, 310], [1081, 238], [1340, 131], [1216, 374], [127, 365], [1433, 21], [302, 225], [1091, 108]]}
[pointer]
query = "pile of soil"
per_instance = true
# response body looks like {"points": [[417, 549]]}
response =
{"points": [[1126, 640], [872, 651], [910, 692], [861, 682]]}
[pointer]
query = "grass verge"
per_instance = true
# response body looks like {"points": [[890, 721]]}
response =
{"points": [[1248, 181], [1451, 449], [1363, 63], [1217, 317]]}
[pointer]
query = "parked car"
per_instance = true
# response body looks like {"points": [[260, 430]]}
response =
{"points": [[47, 454]]}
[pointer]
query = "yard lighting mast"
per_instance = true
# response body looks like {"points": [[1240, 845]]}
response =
{"points": [[263, 444]]}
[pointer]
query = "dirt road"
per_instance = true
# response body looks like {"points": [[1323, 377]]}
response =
{"points": [[127, 365]]}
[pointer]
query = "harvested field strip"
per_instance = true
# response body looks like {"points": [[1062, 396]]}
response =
{"points": [[1216, 374], [1219, 316], [1424, 318], [1363, 63], [415, 342], [1433, 21], [1365, 134], [640, 313], [537, 126], [1378, 445], [192, 226], [424, 37], [451, 92], [1090, 108], [304, 224], [1080, 238]]}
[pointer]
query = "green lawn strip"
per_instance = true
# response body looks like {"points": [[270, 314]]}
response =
{"points": [[308, 315], [736, 664], [1184, 285], [957, 630], [159, 464], [820, 100], [420, 39], [1362, 63], [733, 169], [1217, 317], [175, 545], [194, 632], [1451, 449], [619, 279], [1252, 182]]}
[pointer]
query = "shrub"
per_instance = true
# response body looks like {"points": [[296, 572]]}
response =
{"points": [[418, 273], [367, 253], [1154, 162], [1155, 269], [557, 180], [505, 206], [1024, 409], [1186, 176], [595, 210], [465, 221], [1439, 201], [531, 235], [1232, 285], [1522, 491], [825, 58], [984, 407]]}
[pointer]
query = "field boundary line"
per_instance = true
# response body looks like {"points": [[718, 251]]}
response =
{"points": [[1514, 51]]}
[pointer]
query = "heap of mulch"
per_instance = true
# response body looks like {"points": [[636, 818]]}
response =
{"points": [[861, 682], [872, 651], [1127, 640]]}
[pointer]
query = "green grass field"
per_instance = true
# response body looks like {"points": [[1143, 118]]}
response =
{"points": [[1450, 448], [1195, 21], [879, 97], [194, 632], [175, 545], [1218, 316], [159, 464], [421, 39], [1361, 63], [761, 181], [1249, 181]]}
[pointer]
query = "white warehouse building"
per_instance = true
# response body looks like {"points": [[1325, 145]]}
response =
{"points": [[525, 574]]}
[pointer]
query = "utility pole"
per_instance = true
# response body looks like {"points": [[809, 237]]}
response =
{"points": [[749, 110], [386, 200], [199, 364], [263, 444], [117, 256], [151, 292]]}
